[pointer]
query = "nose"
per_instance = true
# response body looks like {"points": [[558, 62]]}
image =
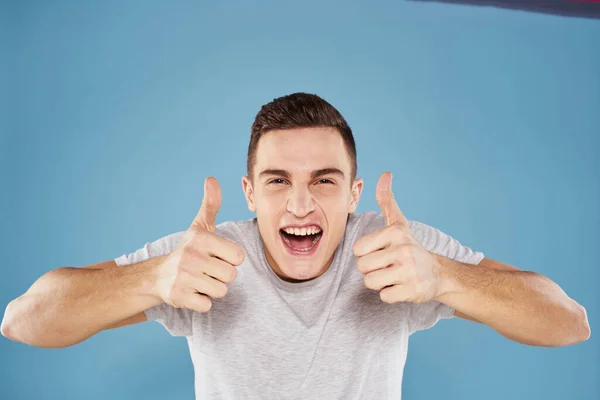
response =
{"points": [[300, 202]]}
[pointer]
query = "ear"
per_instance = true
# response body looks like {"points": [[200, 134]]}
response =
{"points": [[357, 188], [248, 193]]}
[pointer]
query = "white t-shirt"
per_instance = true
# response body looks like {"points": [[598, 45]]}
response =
{"points": [[327, 338]]}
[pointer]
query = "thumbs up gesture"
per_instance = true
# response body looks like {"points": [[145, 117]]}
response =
{"points": [[393, 262], [203, 263]]}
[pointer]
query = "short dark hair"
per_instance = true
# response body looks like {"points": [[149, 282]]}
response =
{"points": [[299, 110]]}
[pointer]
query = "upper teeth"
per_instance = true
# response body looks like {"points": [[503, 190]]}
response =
{"points": [[311, 230]]}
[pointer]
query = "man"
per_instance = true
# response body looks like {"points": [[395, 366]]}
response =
{"points": [[309, 299]]}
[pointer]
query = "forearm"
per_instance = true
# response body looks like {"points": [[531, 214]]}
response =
{"points": [[68, 305], [523, 306]]}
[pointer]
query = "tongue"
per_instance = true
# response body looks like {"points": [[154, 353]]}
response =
{"points": [[301, 242]]}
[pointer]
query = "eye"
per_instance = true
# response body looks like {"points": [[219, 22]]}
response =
{"points": [[325, 181], [277, 181]]}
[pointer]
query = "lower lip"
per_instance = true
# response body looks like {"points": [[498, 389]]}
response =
{"points": [[301, 253]]}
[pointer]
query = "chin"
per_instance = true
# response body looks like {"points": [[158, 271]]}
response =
{"points": [[303, 264], [301, 270]]}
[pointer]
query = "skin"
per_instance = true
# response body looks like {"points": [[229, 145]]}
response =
{"points": [[523, 306], [296, 196], [68, 305]]}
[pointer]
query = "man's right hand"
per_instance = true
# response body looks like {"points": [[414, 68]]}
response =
{"points": [[203, 263]]}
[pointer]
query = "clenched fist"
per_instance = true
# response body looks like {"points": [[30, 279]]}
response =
{"points": [[203, 263], [392, 260]]}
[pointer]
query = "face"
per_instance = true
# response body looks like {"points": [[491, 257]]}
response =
{"points": [[302, 194]]}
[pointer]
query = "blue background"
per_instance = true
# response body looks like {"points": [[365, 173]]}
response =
{"points": [[113, 114]]}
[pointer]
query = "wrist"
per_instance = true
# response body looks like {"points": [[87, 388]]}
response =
{"points": [[448, 282], [148, 278]]}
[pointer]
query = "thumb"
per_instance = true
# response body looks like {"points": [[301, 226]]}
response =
{"points": [[210, 205], [386, 201]]}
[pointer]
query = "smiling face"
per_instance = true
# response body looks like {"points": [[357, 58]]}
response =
{"points": [[302, 194]]}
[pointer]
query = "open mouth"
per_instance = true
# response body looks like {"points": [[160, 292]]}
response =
{"points": [[301, 241]]}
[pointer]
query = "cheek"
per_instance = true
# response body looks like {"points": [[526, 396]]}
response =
{"points": [[269, 208], [268, 201], [335, 209], [327, 194], [333, 201]]}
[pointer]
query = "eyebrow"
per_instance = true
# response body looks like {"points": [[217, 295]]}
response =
{"points": [[314, 174]]}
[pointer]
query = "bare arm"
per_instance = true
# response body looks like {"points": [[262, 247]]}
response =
{"points": [[68, 305], [521, 305], [489, 263]]}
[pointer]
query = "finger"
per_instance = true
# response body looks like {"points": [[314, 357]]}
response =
{"points": [[202, 284], [370, 243], [380, 239], [379, 279], [211, 202], [209, 286], [396, 293], [219, 269], [376, 260], [198, 302], [386, 201], [223, 249]]}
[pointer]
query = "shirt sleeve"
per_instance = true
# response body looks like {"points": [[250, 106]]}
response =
{"points": [[424, 316], [177, 321]]}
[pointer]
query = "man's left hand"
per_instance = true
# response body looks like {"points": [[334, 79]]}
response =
{"points": [[392, 260]]}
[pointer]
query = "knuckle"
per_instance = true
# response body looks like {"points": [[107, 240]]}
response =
{"points": [[193, 264], [183, 274], [368, 280], [188, 255], [356, 247], [360, 264], [205, 303], [241, 257], [220, 291], [231, 274], [176, 293], [384, 296]]}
